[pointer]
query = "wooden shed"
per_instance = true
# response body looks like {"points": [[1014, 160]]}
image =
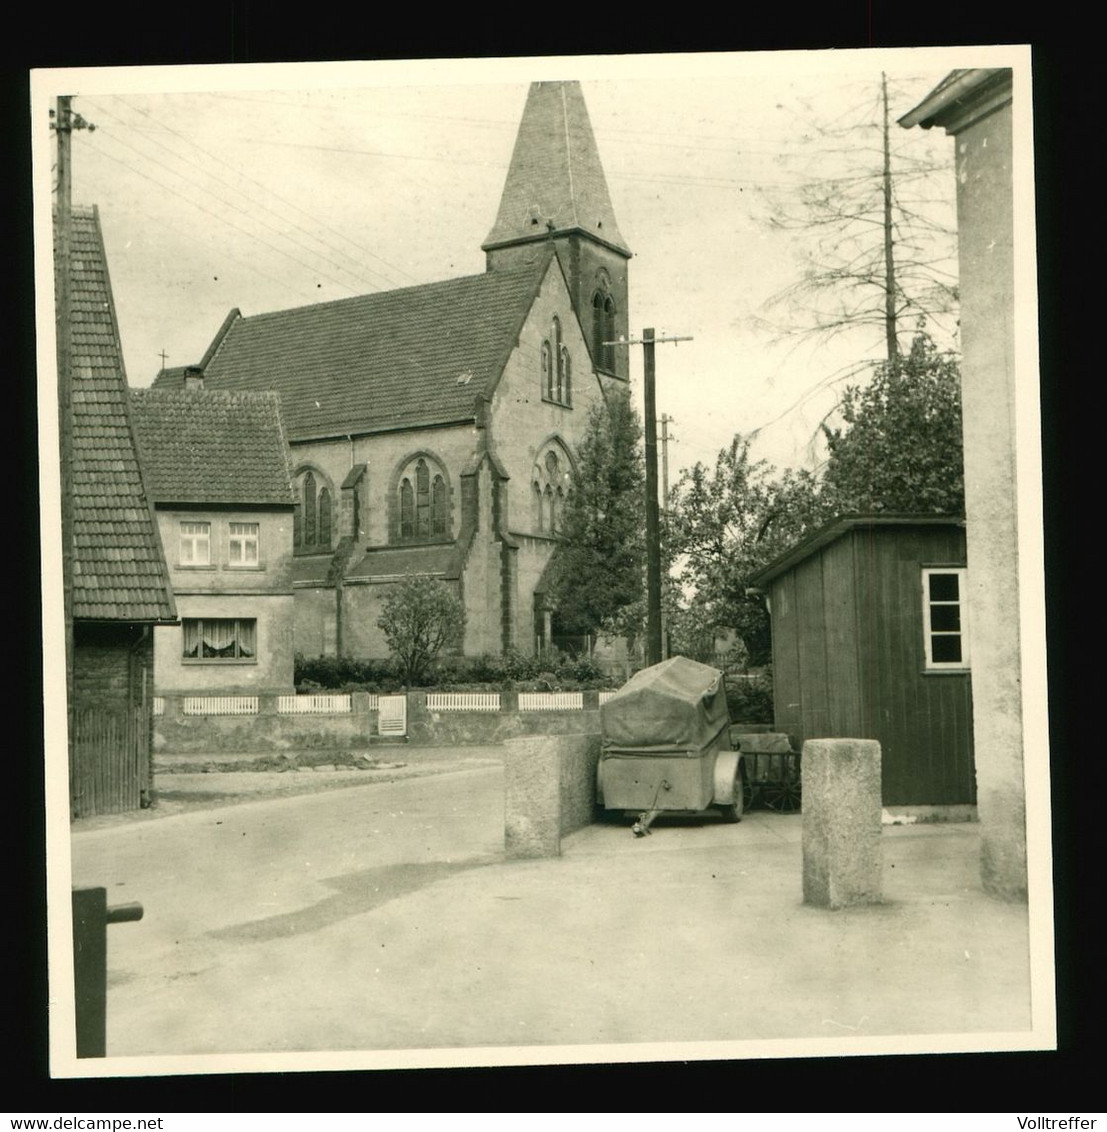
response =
{"points": [[870, 640]]}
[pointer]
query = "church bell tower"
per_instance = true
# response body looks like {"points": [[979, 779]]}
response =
{"points": [[556, 194]]}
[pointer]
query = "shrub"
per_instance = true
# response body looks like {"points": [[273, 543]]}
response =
{"points": [[750, 700]]}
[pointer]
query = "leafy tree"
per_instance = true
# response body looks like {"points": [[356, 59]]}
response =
{"points": [[421, 616], [898, 450], [900, 447], [727, 523], [597, 571]]}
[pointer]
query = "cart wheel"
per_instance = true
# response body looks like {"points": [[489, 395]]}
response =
{"points": [[783, 796], [733, 812], [751, 792]]}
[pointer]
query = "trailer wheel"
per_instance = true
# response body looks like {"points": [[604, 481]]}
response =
{"points": [[733, 812]]}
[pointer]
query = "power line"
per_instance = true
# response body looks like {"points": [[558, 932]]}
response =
{"points": [[284, 234], [276, 196]]}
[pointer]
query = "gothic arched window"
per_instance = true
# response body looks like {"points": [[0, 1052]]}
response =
{"points": [[550, 486], [438, 506], [424, 501], [603, 330], [313, 514], [324, 517], [309, 510]]}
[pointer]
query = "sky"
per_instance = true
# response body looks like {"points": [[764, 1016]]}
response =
{"points": [[273, 186]]}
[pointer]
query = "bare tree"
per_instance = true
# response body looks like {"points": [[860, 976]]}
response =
{"points": [[874, 218]]}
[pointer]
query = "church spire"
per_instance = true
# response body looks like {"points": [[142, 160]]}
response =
{"points": [[556, 194], [555, 183]]}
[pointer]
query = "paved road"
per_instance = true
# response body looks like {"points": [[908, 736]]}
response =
{"points": [[385, 918]]}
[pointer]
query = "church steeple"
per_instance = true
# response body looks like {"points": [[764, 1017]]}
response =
{"points": [[556, 193]]}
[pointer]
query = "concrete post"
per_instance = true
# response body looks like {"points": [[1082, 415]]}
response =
{"points": [[532, 789], [842, 856]]}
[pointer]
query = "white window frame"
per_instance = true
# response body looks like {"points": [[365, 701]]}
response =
{"points": [[239, 543], [932, 665], [194, 546]]}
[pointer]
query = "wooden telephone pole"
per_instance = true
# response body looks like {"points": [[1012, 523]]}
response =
{"points": [[653, 525], [65, 122]]}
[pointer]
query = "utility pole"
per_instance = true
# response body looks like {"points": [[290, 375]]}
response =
{"points": [[891, 338], [653, 527], [665, 419], [65, 122], [63, 128]]}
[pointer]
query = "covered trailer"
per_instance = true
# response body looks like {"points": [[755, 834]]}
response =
{"points": [[666, 745]]}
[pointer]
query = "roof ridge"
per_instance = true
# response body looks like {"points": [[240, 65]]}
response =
{"points": [[520, 271]]}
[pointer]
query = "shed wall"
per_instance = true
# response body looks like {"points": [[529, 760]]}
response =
{"points": [[848, 660]]}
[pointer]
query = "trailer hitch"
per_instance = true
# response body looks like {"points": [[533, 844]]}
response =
{"points": [[642, 826]]}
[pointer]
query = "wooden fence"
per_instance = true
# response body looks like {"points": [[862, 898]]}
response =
{"points": [[551, 701], [463, 701], [109, 765]]}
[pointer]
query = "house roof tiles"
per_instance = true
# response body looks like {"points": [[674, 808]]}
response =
{"points": [[119, 571], [204, 446], [410, 358]]}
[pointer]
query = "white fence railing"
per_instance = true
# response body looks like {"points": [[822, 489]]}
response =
{"points": [[551, 701], [605, 696], [336, 704], [158, 705], [220, 705], [463, 701]]}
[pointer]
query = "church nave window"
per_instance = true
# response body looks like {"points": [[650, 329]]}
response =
{"points": [[424, 503]]}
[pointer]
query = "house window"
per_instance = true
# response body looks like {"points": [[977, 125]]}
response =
{"points": [[243, 544], [220, 639], [195, 545], [424, 503], [945, 618]]}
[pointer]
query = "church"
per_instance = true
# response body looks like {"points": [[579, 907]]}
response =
{"points": [[433, 429]]}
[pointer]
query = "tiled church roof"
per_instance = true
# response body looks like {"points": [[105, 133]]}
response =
{"points": [[410, 358], [212, 447], [119, 571]]}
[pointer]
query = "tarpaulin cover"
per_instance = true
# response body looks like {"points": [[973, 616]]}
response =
{"points": [[675, 707]]}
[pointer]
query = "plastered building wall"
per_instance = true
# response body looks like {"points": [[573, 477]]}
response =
{"points": [[986, 254]]}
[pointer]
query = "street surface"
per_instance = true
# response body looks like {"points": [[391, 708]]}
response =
{"points": [[384, 917]]}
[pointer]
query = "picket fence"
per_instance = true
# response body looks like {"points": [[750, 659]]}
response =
{"points": [[463, 701]]}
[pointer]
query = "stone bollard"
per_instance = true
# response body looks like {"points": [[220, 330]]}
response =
{"points": [[532, 797], [842, 857]]}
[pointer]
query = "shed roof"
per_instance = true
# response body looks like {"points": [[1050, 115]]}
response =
{"points": [[410, 358], [206, 446], [835, 529], [119, 570]]}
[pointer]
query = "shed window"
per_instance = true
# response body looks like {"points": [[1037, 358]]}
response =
{"points": [[945, 619]]}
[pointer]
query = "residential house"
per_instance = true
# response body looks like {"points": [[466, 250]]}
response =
{"points": [[217, 467], [120, 582], [433, 429], [872, 639]]}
